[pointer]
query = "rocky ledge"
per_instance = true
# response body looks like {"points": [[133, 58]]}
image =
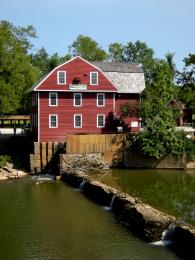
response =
{"points": [[145, 221], [8, 172]]}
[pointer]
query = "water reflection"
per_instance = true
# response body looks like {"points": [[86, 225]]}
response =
{"points": [[172, 191]]}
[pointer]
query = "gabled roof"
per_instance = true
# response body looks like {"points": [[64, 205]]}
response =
{"points": [[123, 67], [126, 77]]}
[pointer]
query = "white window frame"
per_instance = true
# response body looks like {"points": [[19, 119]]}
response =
{"points": [[75, 115], [56, 94], [103, 120], [91, 76], [102, 94], [50, 126], [58, 77], [81, 100]]}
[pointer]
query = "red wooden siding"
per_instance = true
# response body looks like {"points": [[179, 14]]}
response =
{"points": [[76, 68], [121, 99], [65, 111]]}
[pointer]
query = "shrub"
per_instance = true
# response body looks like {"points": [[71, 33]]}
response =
{"points": [[3, 160]]}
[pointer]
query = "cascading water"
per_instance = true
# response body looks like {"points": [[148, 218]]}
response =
{"points": [[111, 204], [81, 186], [166, 237]]}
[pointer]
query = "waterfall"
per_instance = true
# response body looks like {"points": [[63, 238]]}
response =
{"points": [[166, 236], [81, 186], [111, 204]]}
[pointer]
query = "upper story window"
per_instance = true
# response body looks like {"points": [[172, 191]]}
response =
{"points": [[53, 121], [77, 121], [94, 78], [77, 99], [53, 99], [61, 77], [100, 99]]}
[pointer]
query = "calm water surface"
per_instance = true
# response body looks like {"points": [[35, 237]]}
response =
{"points": [[172, 191], [52, 221]]}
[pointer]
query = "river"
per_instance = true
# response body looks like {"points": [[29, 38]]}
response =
{"points": [[50, 220], [171, 191]]}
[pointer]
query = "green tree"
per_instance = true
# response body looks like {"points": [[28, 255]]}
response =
{"points": [[186, 80], [16, 72], [116, 52], [134, 52], [169, 58], [41, 60], [87, 48], [160, 91], [46, 63], [159, 136]]}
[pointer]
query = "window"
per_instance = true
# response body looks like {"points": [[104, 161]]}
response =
{"points": [[53, 99], [77, 99], [94, 78], [61, 77], [100, 121], [77, 121], [53, 121], [134, 124], [100, 99]]}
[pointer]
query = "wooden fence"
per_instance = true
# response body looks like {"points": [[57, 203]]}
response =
{"points": [[110, 145]]}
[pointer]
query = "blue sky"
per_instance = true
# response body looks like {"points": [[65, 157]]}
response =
{"points": [[165, 25]]}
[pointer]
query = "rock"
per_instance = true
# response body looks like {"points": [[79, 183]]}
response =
{"points": [[7, 172], [99, 192], [3, 177], [21, 174]]}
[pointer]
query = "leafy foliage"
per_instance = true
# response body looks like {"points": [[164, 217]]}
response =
{"points": [[16, 72], [87, 48], [46, 63], [129, 109], [160, 91], [134, 52], [159, 136], [3, 160], [186, 80]]}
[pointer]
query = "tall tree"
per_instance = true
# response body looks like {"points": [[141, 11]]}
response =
{"points": [[159, 136], [116, 52], [186, 80], [40, 60], [87, 48], [16, 72], [160, 91], [134, 52], [169, 58]]}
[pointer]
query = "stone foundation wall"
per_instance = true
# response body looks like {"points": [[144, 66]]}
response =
{"points": [[42, 156]]}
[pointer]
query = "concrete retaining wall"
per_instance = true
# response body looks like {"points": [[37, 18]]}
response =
{"points": [[136, 160]]}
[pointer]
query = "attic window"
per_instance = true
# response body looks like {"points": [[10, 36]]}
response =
{"points": [[94, 78], [61, 77]]}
